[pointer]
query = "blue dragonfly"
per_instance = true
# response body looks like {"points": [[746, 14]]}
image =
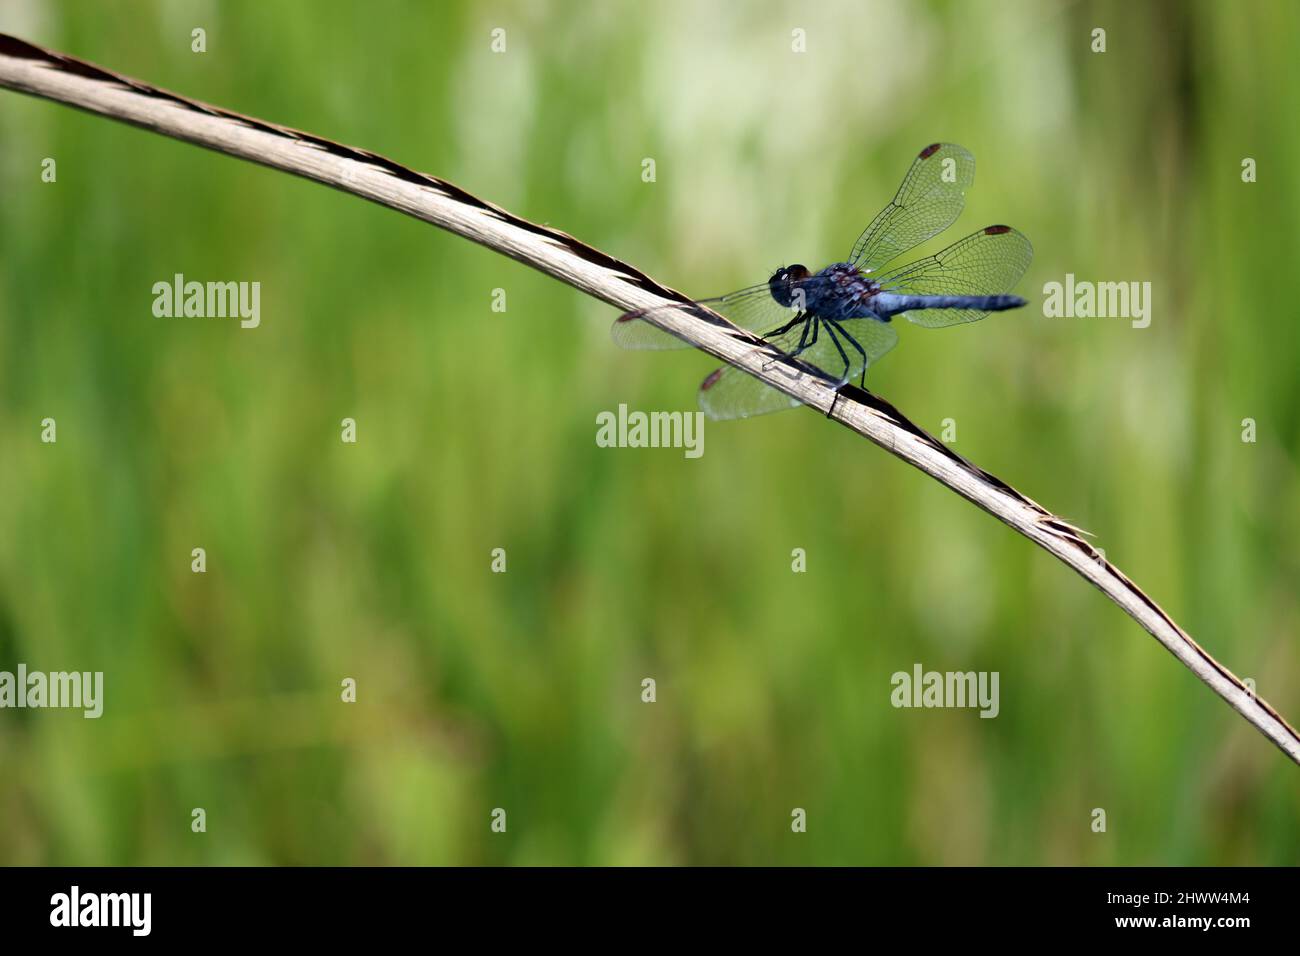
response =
{"points": [[838, 319]]}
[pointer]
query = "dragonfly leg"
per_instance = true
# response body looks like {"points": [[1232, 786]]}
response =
{"points": [[798, 317], [803, 338], [810, 322], [854, 342], [830, 330], [804, 342], [814, 324]]}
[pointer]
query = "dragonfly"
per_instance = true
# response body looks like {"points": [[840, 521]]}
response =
{"points": [[839, 320]]}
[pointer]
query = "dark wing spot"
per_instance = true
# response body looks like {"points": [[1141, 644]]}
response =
{"points": [[930, 150], [712, 380], [996, 230], [630, 316]]}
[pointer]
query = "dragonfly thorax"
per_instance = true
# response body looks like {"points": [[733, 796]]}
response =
{"points": [[838, 292]]}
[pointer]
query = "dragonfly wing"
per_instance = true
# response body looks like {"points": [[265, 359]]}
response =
{"points": [[631, 331], [989, 262], [753, 309], [929, 200], [730, 393]]}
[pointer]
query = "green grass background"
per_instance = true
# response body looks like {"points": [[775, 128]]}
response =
{"points": [[477, 431]]}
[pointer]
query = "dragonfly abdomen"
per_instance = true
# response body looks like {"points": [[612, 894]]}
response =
{"points": [[891, 303]]}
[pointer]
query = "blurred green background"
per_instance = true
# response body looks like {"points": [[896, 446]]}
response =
{"points": [[476, 430]]}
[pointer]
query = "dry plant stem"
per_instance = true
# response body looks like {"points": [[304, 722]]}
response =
{"points": [[30, 69]]}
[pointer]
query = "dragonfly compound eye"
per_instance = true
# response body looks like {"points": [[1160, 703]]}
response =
{"points": [[783, 282]]}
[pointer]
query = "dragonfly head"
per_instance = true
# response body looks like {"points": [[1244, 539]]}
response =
{"points": [[784, 281]]}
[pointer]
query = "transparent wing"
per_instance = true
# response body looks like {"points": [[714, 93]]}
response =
{"points": [[729, 393], [989, 262], [929, 200], [841, 350], [752, 308]]}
